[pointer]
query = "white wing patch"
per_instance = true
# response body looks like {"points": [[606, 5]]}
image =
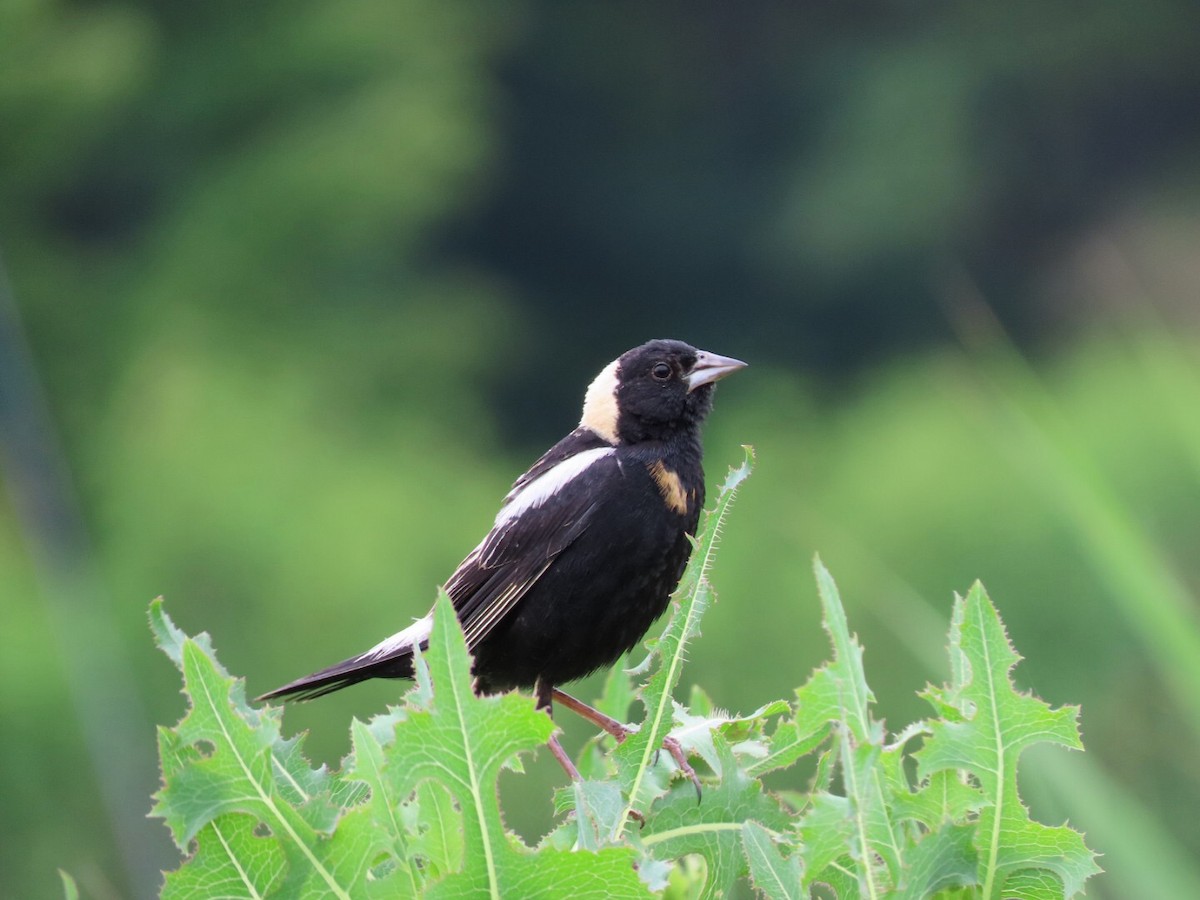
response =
{"points": [[547, 485], [414, 634]]}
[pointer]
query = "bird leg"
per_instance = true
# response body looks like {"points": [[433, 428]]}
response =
{"points": [[563, 760], [543, 694], [620, 732]]}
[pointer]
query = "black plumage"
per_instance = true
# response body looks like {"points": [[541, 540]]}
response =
{"points": [[589, 543]]}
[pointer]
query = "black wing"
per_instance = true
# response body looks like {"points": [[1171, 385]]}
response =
{"points": [[518, 550], [500, 571]]}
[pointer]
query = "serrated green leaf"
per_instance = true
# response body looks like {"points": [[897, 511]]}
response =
{"points": [[598, 805], [682, 881], [997, 724], [941, 859], [365, 765], [639, 754], [427, 843], [462, 742], [945, 797], [437, 845], [838, 694], [169, 638], [1032, 884], [635, 757], [826, 831], [389, 881], [815, 709], [773, 875], [229, 861], [742, 732], [677, 825], [846, 669], [852, 833], [875, 837], [414, 810], [226, 758], [840, 883], [826, 766]]}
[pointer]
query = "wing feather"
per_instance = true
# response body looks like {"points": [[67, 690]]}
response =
{"points": [[494, 577]]}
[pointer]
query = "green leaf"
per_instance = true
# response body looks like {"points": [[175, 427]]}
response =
{"points": [[437, 845], [1032, 884], [854, 697], [826, 832], [776, 877], [744, 732], [365, 765], [226, 758], [945, 797], [677, 825], [462, 741], [635, 757], [942, 859], [70, 888], [815, 709], [598, 808], [840, 884], [229, 861], [854, 832], [993, 724]]}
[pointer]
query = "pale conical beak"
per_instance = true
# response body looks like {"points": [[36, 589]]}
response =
{"points": [[711, 367]]}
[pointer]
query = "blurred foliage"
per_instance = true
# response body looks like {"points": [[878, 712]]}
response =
{"points": [[306, 285]]}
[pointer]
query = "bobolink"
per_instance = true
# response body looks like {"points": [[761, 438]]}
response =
{"points": [[587, 546]]}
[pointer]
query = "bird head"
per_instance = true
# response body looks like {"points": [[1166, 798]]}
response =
{"points": [[654, 392]]}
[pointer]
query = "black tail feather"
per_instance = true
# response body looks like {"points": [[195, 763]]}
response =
{"points": [[343, 674]]}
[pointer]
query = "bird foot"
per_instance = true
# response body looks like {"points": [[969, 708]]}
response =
{"points": [[676, 750]]}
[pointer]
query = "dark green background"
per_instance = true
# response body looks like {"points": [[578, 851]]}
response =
{"points": [[296, 289]]}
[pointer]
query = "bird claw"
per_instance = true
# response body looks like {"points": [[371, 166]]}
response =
{"points": [[676, 750]]}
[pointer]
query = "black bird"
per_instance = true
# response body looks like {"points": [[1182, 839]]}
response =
{"points": [[586, 548]]}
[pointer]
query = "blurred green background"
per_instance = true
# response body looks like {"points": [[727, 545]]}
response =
{"points": [[294, 290]]}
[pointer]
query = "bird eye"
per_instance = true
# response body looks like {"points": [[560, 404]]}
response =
{"points": [[661, 371]]}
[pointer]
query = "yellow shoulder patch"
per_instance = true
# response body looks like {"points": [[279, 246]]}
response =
{"points": [[670, 487]]}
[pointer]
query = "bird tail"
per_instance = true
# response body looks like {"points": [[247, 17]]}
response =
{"points": [[343, 674], [391, 658]]}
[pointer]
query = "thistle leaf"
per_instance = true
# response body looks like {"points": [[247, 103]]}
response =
{"points": [[462, 742], [992, 724], [227, 770], [776, 877], [677, 825]]}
